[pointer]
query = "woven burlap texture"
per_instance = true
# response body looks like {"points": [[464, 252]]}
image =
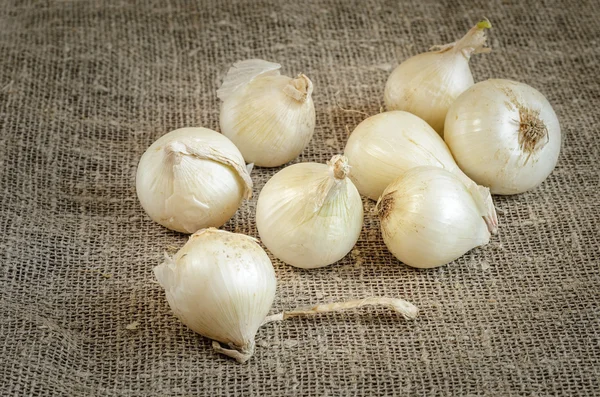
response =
{"points": [[87, 86]]}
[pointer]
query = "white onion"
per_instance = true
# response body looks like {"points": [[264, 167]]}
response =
{"points": [[222, 286], [504, 135], [192, 178], [427, 84], [310, 215], [270, 118], [429, 218]]}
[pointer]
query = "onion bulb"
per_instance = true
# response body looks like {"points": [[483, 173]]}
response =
{"points": [[192, 178], [388, 144], [428, 83], [222, 286], [504, 135], [270, 118], [429, 218], [310, 215]]}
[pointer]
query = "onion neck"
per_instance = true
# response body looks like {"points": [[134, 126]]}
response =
{"points": [[471, 43], [331, 184], [174, 151], [240, 354], [299, 89], [483, 200], [339, 166]]}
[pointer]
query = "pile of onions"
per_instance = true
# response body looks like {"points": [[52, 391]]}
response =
{"points": [[431, 161]]}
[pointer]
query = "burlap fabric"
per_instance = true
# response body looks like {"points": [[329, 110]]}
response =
{"points": [[85, 87]]}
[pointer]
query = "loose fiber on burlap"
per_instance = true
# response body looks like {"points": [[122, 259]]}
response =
{"points": [[87, 86]]}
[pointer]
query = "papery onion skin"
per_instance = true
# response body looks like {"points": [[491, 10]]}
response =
{"points": [[221, 285], [429, 218], [192, 178], [308, 217], [504, 135], [428, 83]]}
